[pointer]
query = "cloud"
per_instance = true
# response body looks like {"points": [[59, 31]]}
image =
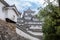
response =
{"points": [[36, 1], [10, 2], [24, 4]]}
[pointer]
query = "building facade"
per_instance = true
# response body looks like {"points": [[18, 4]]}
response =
{"points": [[30, 24], [8, 12], [8, 18]]}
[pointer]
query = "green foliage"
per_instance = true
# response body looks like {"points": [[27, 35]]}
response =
{"points": [[50, 37], [51, 27], [58, 30]]}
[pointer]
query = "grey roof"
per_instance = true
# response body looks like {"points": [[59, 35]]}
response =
{"points": [[5, 3], [17, 12], [20, 18], [29, 11], [30, 19], [27, 15], [13, 7]]}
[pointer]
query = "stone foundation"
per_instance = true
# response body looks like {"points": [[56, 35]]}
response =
{"points": [[7, 31]]}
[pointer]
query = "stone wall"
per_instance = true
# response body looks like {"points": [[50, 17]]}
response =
{"points": [[7, 31]]}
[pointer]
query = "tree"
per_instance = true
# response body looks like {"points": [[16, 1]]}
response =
{"points": [[59, 2], [51, 27]]}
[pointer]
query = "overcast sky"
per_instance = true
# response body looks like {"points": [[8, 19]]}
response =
{"points": [[25, 4]]}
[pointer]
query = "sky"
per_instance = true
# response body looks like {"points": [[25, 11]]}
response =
{"points": [[25, 4]]}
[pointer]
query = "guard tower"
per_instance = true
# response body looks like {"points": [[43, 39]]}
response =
{"points": [[28, 14]]}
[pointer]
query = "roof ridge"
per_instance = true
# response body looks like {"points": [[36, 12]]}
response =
{"points": [[4, 2]]}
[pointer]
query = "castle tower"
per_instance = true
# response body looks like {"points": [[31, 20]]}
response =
{"points": [[28, 14]]}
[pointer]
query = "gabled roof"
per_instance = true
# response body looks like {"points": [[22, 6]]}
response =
{"points": [[5, 3], [29, 11], [13, 7]]}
